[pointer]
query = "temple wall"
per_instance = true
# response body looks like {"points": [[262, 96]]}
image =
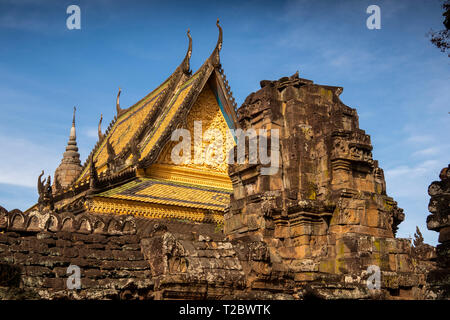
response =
{"points": [[119, 258], [35, 254]]}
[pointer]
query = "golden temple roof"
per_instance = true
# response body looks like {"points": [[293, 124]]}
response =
{"points": [[170, 193], [148, 122], [130, 170]]}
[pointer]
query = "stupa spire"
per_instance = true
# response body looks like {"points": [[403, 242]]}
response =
{"points": [[70, 166], [73, 136]]}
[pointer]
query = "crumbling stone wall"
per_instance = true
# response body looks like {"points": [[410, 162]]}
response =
{"points": [[34, 261], [120, 257], [439, 220], [325, 214]]}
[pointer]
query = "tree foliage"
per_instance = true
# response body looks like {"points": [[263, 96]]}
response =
{"points": [[441, 38]]}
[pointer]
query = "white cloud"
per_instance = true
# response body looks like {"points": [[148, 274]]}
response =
{"points": [[427, 151], [25, 17], [23, 160], [421, 139], [413, 171]]}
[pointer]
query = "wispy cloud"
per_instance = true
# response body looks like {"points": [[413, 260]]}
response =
{"points": [[423, 138], [427, 152], [413, 171], [23, 161], [24, 16]]}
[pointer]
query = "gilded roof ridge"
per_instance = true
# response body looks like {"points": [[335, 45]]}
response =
{"points": [[229, 94], [159, 105], [198, 84]]}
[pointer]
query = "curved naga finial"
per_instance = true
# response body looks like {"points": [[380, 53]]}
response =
{"points": [[40, 185], [119, 110], [134, 149], [110, 151], [111, 156], [220, 39], [93, 176], [215, 57], [100, 134], [186, 62]]}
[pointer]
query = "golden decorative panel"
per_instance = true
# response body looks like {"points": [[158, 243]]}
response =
{"points": [[215, 136], [152, 211]]}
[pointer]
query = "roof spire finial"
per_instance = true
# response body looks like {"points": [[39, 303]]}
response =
{"points": [[186, 62], [220, 39], [73, 135], [93, 176], [215, 57], [100, 134], [119, 110]]}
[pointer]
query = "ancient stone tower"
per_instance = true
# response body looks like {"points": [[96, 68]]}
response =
{"points": [[325, 211], [70, 167], [439, 221]]}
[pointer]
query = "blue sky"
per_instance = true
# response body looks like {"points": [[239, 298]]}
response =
{"points": [[396, 79]]}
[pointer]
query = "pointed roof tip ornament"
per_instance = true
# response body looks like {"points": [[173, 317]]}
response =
{"points": [[186, 62], [93, 176], [295, 76], [220, 39], [40, 185], [100, 134], [215, 57], [74, 110], [110, 150], [92, 168], [92, 163], [118, 109], [73, 135]]}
